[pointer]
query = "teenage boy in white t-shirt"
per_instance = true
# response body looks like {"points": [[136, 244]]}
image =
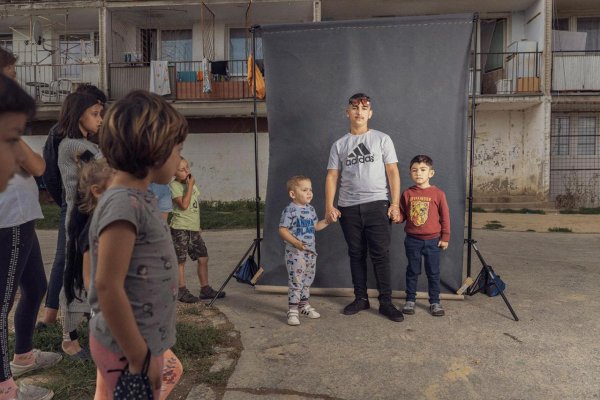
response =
{"points": [[360, 162]]}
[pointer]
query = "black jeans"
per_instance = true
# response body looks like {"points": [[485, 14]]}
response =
{"points": [[367, 229], [55, 283]]}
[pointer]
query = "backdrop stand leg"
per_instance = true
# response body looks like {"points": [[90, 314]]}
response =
{"points": [[256, 242], [487, 271]]}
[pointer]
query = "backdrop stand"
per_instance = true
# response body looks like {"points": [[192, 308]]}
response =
{"points": [[486, 270], [255, 246]]}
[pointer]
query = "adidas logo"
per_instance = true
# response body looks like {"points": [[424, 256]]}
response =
{"points": [[360, 154]]}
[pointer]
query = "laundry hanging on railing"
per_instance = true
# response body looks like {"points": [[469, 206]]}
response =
{"points": [[260, 81], [206, 88], [159, 77]]}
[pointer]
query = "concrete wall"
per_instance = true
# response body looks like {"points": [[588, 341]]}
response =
{"points": [[511, 159], [510, 155], [528, 25], [534, 23], [222, 163], [517, 27]]}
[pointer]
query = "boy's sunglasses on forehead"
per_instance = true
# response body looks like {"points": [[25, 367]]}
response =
{"points": [[365, 101]]}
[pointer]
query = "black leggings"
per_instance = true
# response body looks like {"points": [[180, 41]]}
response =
{"points": [[20, 264]]}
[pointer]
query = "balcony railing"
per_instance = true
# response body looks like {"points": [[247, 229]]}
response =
{"points": [[51, 83], [576, 71], [508, 73], [227, 80]]}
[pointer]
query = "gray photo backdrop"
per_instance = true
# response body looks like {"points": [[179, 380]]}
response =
{"points": [[416, 71]]}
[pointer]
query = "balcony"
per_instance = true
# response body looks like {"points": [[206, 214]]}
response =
{"points": [[509, 74], [51, 83], [227, 80], [576, 72], [226, 92]]}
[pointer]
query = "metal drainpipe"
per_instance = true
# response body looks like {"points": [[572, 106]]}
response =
{"points": [[103, 81]]}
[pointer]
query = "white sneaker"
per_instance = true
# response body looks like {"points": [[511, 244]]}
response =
{"points": [[31, 392], [310, 312], [41, 359], [292, 318]]}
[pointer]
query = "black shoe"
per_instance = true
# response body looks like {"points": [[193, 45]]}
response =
{"points": [[209, 293], [356, 306], [391, 312], [185, 296]]}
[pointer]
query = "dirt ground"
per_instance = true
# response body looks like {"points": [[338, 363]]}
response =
{"points": [[578, 223]]}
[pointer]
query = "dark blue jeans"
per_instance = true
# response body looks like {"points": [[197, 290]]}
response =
{"points": [[430, 252], [367, 229], [58, 266]]}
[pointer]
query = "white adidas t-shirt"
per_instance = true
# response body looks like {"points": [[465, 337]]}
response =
{"points": [[361, 161]]}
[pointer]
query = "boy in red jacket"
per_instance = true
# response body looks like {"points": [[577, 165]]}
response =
{"points": [[425, 210]]}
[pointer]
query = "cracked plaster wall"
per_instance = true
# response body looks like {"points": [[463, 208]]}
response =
{"points": [[510, 155]]}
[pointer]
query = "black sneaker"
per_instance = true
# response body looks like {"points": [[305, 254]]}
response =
{"points": [[391, 312], [208, 292], [356, 306], [185, 296]]}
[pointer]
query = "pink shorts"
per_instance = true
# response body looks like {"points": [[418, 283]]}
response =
{"points": [[107, 360]]}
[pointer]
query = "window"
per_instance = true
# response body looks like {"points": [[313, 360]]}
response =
{"points": [[76, 49], [560, 136], [492, 41], [148, 39], [592, 27], [240, 47], [79, 48], [586, 136], [6, 42], [176, 45], [560, 24]]}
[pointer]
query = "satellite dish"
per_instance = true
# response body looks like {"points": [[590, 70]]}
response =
{"points": [[37, 36]]}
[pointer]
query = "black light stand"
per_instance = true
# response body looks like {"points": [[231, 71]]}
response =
{"points": [[486, 269], [255, 246]]}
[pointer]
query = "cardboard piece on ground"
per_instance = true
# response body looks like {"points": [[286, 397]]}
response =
{"points": [[468, 282]]}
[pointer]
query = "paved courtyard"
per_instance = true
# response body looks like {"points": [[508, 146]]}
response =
{"points": [[476, 352]]}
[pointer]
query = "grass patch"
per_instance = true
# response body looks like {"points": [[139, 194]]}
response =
{"points": [[238, 205], [559, 229], [51, 217], [70, 378], [582, 210], [521, 211], [238, 214], [74, 380], [194, 341], [479, 210], [493, 225], [192, 311], [230, 214], [194, 348]]}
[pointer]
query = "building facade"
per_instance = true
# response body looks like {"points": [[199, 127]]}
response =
{"points": [[536, 86]]}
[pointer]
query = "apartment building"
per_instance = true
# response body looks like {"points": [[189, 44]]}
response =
{"points": [[536, 85]]}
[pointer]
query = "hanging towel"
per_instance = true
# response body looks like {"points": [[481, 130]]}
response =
{"points": [[205, 77], [260, 81], [159, 77]]}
